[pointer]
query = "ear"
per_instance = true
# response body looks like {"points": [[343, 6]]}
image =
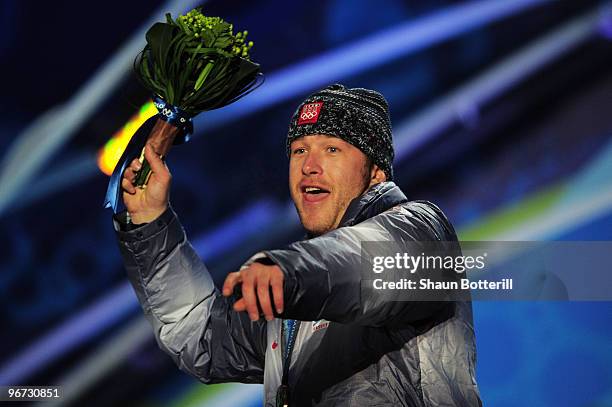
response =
{"points": [[377, 175]]}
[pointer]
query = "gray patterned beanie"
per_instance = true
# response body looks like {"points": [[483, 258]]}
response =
{"points": [[358, 116]]}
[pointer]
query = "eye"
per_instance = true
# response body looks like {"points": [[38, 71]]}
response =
{"points": [[333, 149], [299, 150]]}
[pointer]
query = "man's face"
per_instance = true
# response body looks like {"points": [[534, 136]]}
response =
{"points": [[325, 174]]}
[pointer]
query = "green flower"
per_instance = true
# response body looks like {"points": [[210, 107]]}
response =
{"points": [[214, 32], [196, 63]]}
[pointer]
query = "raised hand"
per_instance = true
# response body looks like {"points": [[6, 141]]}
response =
{"points": [[147, 204]]}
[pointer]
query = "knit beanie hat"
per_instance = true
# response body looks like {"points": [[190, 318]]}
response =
{"points": [[357, 116]]}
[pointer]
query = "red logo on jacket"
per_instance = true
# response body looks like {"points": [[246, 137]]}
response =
{"points": [[310, 113]]}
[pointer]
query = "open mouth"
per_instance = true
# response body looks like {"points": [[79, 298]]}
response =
{"points": [[314, 194]]}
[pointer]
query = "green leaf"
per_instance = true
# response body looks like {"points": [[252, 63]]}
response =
{"points": [[203, 75], [224, 41], [170, 94], [192, 73], [159, 37], [208, 38]]}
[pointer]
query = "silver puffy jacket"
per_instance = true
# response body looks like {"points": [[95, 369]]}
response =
{"points": [[349, 351]]}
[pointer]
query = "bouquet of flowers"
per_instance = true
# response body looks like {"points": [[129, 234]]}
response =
{"points": [[192, 64]]}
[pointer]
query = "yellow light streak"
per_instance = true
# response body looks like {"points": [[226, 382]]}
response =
{"points": [[110, 153]]}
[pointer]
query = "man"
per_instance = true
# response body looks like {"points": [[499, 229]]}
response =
{"points": [[347, 348]]}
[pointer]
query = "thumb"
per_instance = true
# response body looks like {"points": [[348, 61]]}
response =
{"points": [[156, 163]]}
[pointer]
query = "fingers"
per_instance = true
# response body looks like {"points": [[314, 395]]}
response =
{"points": [[230, 282], [276, 281], [249, 297], [135, 165], [127, 186], [263, 295], [240, 305], [129, 174], [157, 165], [257, 280], [127, 183]]}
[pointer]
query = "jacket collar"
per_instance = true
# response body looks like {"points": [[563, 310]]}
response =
{"points": [[377, 199]]}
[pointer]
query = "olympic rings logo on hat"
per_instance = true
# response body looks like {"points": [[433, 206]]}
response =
{"points": [[309, 113]]}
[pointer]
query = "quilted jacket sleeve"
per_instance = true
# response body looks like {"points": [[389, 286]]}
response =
{"points": [[323, 275], [191, 320]]}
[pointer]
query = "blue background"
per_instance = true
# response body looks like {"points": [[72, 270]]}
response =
{"points": [[529, 160]]}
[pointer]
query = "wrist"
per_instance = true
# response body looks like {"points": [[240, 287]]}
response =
{"points": [[142, 217]]}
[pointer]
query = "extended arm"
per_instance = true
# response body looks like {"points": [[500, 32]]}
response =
{"points": [[191, 320], [323, 275]]}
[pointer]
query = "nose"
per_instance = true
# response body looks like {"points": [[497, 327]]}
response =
{"points": [[312, 165]]}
